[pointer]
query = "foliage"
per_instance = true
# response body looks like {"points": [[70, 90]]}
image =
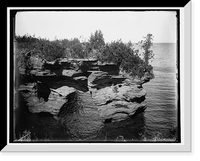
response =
{"points": [[97, 44], [27, 46], [114, 52], [97, 41], [50, 50], [69, 43], [146, 45], [73, 48], [122, 54], [23, 62], [125, 56]]}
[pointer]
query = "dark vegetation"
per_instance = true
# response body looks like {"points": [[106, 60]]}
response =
{"points": [[116, 52]]}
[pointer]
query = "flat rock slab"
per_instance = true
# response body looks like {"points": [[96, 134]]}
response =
{"points": [[65, 90], [42, 73]]}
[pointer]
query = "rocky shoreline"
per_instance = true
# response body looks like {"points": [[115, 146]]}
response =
{"points": [[113, 95]]}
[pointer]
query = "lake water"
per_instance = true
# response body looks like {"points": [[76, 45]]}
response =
{"points": [[161, 113], [157, 122]]}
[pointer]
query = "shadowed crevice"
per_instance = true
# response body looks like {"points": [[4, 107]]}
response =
{"points": [[138, 99]]}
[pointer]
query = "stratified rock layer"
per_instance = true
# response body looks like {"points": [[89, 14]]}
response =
{"points": [[111, 96], [56, 99]]}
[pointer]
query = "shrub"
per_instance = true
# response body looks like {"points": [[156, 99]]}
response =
{"points": [[124, 56], [50, 50], [23, 62], [76, 51]]}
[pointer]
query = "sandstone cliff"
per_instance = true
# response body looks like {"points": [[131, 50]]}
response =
{"points": [[104, 92]]}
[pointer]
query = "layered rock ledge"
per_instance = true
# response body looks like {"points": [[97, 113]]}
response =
{"points": [[114, 96]]}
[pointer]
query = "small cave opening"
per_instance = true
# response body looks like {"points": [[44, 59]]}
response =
{"points": [[138, 99], [140, 87], [109, 120], [120, 85]]}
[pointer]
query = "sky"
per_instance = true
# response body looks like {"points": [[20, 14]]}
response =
{"points": [[125, 25]]}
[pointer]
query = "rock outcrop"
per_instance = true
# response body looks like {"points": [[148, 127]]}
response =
{"points": [[113, 96], [117, 102], [56, 98], [118, 93], [99, 79]]}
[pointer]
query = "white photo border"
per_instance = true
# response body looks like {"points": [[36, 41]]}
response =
{"points": [[185, 101]]}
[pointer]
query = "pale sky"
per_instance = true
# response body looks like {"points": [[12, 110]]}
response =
{"points": [[125, 25]]}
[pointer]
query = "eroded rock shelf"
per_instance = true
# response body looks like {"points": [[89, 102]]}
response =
{"points": [[104, 91]]}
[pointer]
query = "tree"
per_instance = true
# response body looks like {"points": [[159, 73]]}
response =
{"points": [[52, 50], [49, 50], [124, 55], [76, 51], [97, 41], [74, 48], [146, 45], [87, 49]]}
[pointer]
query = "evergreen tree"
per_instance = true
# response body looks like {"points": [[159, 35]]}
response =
{"points": [[146, 45]]}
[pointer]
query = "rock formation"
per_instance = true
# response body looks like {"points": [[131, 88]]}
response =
{"points": [[54, 102], [101, 87], [115, 101]]}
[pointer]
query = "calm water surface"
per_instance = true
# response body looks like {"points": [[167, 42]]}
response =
{"points": [[161, 113]]}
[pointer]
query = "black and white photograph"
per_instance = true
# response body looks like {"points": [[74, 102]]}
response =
{"points": [[96, 76]]}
